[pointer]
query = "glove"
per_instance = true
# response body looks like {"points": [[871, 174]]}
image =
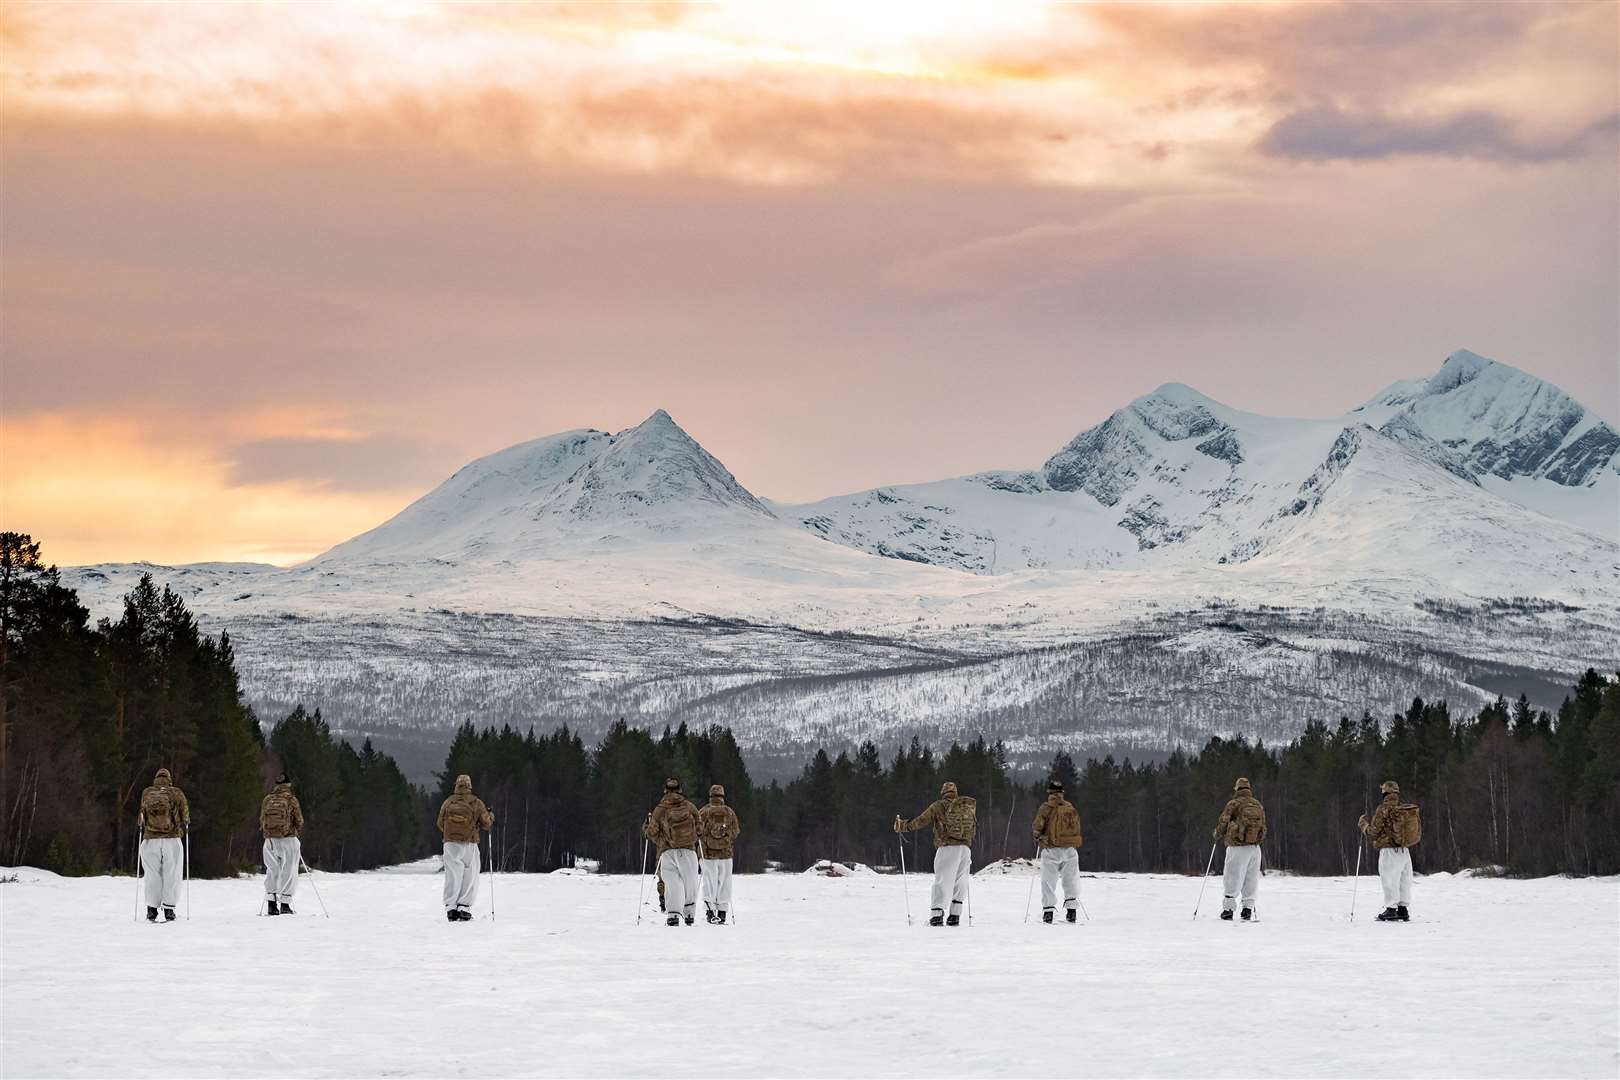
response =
{"points": [[897, 823], [1362, 822], [1215, 833]]}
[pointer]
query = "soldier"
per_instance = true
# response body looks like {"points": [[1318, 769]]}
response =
{"points": [[952, 819], [281, 819], [1394, 861], [460, 818], [1242, 826], [673, 825], [717, 832], [164, 817], [1057, 835]]}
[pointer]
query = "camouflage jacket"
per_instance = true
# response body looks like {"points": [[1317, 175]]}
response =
{"points": [[933, 817], [718, 829], [179, 813], [654, 828], [1048, 833], [1229, 818], [464, 804], [1381, 829], [295, 813]]}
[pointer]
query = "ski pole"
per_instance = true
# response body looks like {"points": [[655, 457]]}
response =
{"points": [[489, 845], [139, 832], [1030, 896], [1205, 881], [904, 888], [311, 872], [969, 890], [641, 892], [1356, 880], [187, 868], [1082, 904]]}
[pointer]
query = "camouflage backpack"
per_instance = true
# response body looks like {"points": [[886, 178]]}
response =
{"points": [[1063, 825], [278, 812], [680, 825], [1249, 823], [458, 815], [959, 820], [716, 827], [157, 810], [1405, 826]]}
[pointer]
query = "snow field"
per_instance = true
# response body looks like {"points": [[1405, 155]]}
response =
{"points": [[821, 977]]}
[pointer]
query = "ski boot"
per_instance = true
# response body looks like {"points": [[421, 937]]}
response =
{"points": [[691, 920], [1072, 915], [463, 914], [1226, 915], [721, 918], [936, 919], [270, 908], [1405, 916], [710, 918], [286, 908], [673, 920], [953, 920], [1389, 914], [1046, 916], [452, 914], [151, 914], [168, 914], [1248, 914]]}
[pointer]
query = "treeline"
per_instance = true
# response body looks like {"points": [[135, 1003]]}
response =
{"points": [[89, 713], [1512, 787]]}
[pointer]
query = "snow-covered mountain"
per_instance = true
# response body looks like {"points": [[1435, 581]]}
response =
{"points": [[1176, 478], [1179, 570]]}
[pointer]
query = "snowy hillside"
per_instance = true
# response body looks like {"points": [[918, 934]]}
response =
{"points": [[586, 576]]}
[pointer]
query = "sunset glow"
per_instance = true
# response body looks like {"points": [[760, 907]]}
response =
{"points": [[270, 271]]}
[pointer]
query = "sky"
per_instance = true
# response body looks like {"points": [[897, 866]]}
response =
{"points": [[268, 273]]}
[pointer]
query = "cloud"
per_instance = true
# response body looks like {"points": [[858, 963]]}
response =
{"points": [[369, 463], [1326, 132]]}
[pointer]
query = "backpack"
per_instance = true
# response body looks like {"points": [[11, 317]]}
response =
{"points": [[157, 811], [458, 816], [277, 813], [959, 823], [1405, 826], [717, 827], [680, 825], [1064, 822], [1250, 823]]}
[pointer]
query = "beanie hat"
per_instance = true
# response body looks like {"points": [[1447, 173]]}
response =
{"points": [[717, 791], [282, 779], [1054, 785], [672, 784], [463, 782], [1390, 787], [162, 777], [1242, 782], [947, 790]]}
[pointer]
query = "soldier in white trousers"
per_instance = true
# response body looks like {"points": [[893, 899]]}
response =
{"points": [[1242, 827], [951, 817], [1057, 835], [718, 830], [1394, 860], [673, 826], [163, 818], [460, 818], [281, 819]]}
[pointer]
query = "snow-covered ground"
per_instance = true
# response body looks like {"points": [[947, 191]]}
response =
{"points": [[821, 977]]}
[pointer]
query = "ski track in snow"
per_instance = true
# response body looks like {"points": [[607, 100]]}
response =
{"points": [[821, 977]]}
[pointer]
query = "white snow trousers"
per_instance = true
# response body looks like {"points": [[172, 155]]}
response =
{"points": [[1395, 875], [160, 860], [1241, 871], [678, 870], [281, 858], [461, 863], [952, 865], [1056, 861], [716, 884]]}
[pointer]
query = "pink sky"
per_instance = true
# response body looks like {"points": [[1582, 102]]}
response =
{"points": [[271, 272]]}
